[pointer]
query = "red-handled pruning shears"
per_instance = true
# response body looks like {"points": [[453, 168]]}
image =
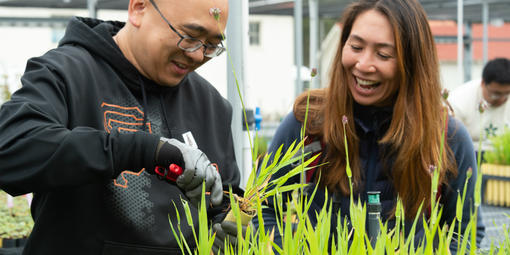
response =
{"points": [[171, 173]]}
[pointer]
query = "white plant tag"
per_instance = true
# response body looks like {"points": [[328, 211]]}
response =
{"points": [[29, 197], [10, 201], [189, 139]]}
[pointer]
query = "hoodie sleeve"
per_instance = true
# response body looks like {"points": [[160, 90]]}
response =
{"points": [[39, 152]]}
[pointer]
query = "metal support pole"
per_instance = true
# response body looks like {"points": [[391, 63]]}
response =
{"points": [[92, 7], [468, 51], [313, 7], [236, 34], [460, 40], [485, 21], [248, 160], [322, 33], [298, 41]]}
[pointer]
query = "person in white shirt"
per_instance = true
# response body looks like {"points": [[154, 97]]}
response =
{"points": [[493, 91]]}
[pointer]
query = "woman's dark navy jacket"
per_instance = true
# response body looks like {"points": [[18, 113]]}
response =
{"points": [[371, 125]]}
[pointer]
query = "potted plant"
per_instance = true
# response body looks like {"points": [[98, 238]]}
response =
{"points": [[260, 187], [15, 221], [496, 169]]}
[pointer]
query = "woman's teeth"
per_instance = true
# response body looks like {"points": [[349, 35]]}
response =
{"points": [[180, 66], [367, 84]]}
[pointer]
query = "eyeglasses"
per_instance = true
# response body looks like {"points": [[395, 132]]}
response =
{"points": [[495, 95], [190, 44]]}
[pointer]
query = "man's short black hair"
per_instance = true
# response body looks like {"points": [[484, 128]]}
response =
{"points": [[497, 70]]}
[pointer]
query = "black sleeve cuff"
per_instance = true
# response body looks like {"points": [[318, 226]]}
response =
{"points": [[134, 151]]}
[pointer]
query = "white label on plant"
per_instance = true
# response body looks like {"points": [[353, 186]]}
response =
{"points": [[29, 198], [189, 139], [10, 201]]}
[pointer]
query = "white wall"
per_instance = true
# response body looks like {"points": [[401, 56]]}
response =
{"points": [[450, 78], [18, 45], [270, 66]]}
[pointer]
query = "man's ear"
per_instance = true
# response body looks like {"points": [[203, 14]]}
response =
{"points": [[136, 10]]}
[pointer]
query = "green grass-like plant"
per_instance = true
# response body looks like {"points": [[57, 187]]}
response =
{"points": [[500, 153], [260, 186], [306, 238]]}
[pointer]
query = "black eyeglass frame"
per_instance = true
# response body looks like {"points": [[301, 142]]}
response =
{"points": [[218, 49]]}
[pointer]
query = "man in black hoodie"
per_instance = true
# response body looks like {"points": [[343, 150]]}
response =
{"points": [[96, 115]]}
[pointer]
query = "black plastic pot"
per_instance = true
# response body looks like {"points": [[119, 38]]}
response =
{"points": [[11, 251], [13, 243], [12, 246]]}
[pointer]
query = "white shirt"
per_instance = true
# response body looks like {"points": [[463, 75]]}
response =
{"points": [[465, 100]]}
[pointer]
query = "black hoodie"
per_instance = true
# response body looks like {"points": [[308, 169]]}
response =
{"points": [[76, 135]]}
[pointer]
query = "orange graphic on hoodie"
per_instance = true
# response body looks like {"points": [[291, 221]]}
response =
{"points": [[124, 120]]}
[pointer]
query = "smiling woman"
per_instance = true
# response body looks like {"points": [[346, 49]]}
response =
{"points": [[387, 68], [385, 80], [369, 55]]}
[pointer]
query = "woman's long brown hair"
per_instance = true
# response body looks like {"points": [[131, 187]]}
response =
{"points": [[418, 121]]}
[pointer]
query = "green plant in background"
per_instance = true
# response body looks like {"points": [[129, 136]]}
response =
{"points": [[6, 94], [505, 245], [500, 153], [260, 145], [15, 222]]}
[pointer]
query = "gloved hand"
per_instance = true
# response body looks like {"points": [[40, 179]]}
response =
{"points": [[224, 230], [196, 166]]}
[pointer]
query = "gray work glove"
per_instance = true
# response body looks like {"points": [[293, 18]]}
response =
{"points": [[196, 169], [225, 230]]}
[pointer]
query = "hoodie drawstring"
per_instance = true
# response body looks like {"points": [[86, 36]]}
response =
{"points": [[144, 106], [161, 100]]}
